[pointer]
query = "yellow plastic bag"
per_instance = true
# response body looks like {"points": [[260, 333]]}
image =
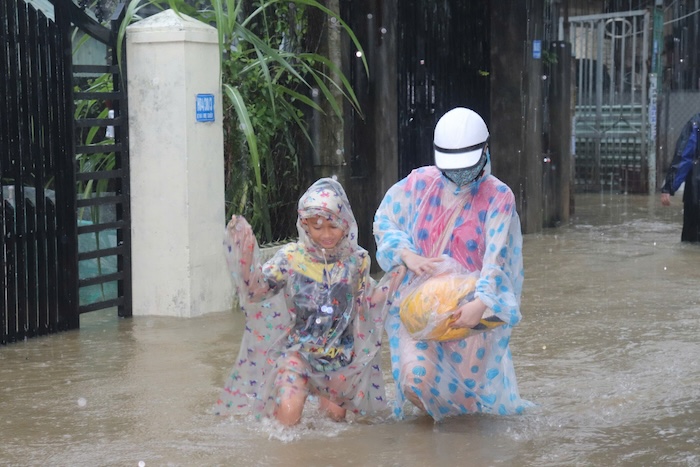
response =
{"points": [[427, 311]]}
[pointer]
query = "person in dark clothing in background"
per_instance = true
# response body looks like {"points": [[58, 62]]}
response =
{"points": [[683, 169]]}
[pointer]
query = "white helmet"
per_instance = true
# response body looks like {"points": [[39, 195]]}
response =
{"points": [[459, 139]]}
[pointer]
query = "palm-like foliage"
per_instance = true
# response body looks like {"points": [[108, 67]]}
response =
{"points": [[267, 82]]}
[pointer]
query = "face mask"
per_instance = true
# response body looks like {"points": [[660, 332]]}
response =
{"points": [[463, 177]]}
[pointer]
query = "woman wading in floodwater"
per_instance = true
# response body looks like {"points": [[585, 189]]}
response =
{"points": [[455, 208]]}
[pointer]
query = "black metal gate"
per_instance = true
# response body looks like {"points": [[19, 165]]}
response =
{"points": [[102, 168], [39, 252], [443, 62]]}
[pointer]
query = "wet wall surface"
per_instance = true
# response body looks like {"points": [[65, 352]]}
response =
{"points": [[607, 351]]}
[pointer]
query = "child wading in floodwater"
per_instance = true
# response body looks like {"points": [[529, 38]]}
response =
{"points": [[314, 316]]}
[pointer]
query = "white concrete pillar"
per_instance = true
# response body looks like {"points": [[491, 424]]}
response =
{"points": [[177, 168]]}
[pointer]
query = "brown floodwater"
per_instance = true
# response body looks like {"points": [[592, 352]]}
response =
{"points": [[607, 350]]}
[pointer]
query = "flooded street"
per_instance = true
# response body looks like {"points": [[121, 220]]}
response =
{"points": [[607, 350]]}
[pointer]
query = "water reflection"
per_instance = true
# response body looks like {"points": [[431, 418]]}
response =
{"points": [[607, 350]]}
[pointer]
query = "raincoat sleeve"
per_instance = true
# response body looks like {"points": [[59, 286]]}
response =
{"points": [[254, 281], [379, 294], [268, 279], [363, 293], [372, 295], [373, 303], [391, 225], [501, 277], [683, 156], [683, 167]]}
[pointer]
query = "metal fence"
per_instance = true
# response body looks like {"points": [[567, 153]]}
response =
{"points": [[102, 172], [50, 151], [612, 128], [38, 267]]}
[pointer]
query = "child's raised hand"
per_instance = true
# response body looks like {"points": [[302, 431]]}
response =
{"points": [[241, 232], [242, 245], [236, 223]]}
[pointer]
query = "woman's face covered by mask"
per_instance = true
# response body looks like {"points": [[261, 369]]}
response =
{"points": [[467, 175]]}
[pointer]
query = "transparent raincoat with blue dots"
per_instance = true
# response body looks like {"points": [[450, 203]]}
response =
{"points": [[474, 374]]}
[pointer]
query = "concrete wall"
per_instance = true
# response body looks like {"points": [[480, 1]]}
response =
{"points": [[177, 181]]}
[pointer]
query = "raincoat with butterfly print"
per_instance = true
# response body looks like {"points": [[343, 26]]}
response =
{"points": [[310, 312]]}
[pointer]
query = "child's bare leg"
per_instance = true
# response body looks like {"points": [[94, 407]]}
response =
{"points": [[292, 390], [291, 404], [331, 409]]}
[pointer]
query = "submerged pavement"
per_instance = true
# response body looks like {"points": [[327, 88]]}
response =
{"points": [[606, 350]]}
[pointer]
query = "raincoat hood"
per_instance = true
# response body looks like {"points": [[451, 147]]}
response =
{"points": [[327, 199]]}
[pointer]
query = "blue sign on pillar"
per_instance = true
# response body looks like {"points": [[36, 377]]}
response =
{"points": [[536, 49], [204, 108]]}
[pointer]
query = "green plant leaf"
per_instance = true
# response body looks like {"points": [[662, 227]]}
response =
{"points": [[266, 84], [242, 112]]}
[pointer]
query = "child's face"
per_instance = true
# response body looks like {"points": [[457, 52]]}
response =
{"points": [[323, 232]]}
